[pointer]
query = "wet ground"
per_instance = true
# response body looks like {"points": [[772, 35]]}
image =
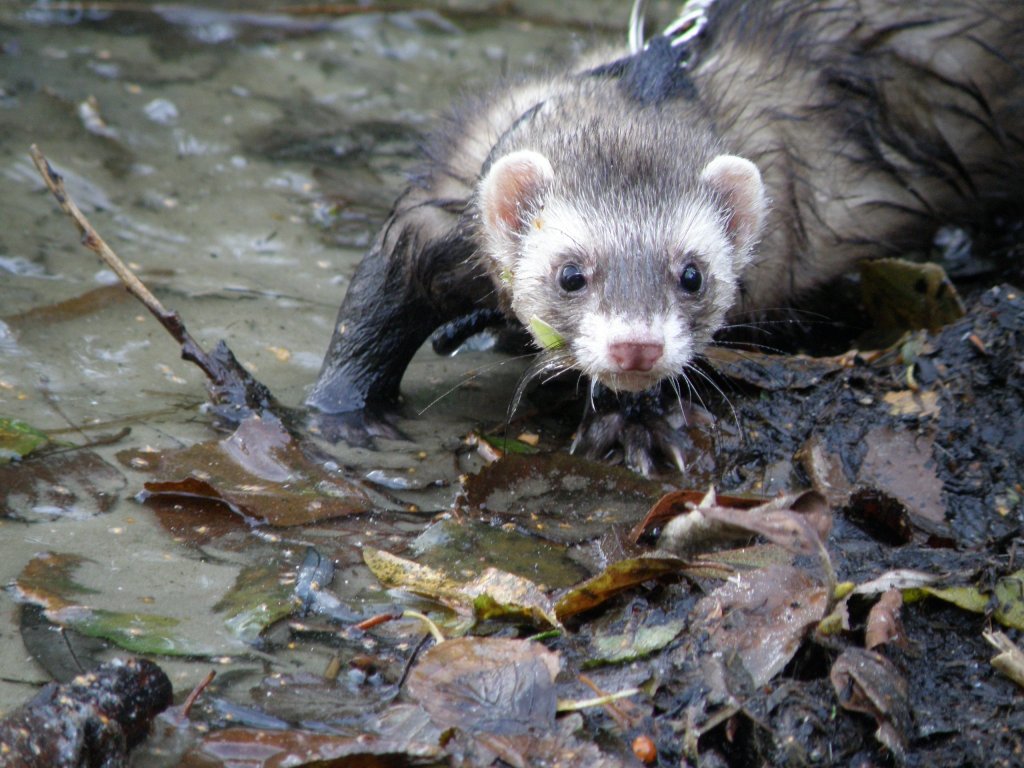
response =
{"points": [[240, 162]]}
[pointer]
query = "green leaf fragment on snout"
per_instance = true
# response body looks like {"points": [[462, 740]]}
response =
{"points": [[548, 337]]}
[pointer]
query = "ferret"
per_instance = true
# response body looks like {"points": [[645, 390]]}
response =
{"points": [[626, 210]]}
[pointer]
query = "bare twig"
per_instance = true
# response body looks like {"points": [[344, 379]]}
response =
{"points": [[230, 384]]}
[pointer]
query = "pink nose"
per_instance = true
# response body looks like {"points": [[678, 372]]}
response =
{"points": [[633, 356]]}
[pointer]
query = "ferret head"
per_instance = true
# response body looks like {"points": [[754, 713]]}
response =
{"points": [[624, 274]]}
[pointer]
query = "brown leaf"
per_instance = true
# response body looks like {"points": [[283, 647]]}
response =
{"points": [[259, 473], [800, 523], [884, 625], [762, 616], [295, 748], [494, 685], [616, 578], [866, 681]]}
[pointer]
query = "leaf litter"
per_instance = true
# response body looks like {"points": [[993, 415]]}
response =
{"points": [[749, 625]]}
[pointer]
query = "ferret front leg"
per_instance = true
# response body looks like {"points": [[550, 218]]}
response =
{"points": [[419, 275]]}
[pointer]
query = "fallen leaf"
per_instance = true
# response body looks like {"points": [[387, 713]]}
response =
{"points": [[76, 484], [492, 594], [496, 685], [641, 641], [259, 473], [1010, 660], [884, 625], [18, 439], [296, 748], [866, 681], [762, 616], [617, 577]]}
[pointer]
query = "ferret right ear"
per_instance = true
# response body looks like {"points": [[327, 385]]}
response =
{"points": [[739, 183], [514, 190]]}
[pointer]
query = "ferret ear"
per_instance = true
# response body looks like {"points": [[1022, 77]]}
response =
{"points": [[739, 183], [513, 190]]}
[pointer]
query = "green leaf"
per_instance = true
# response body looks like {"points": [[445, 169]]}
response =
{"points": [[18, 439], [548, 337], [257, 600]]}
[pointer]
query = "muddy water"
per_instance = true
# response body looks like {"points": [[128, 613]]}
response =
{"points": [[193, 136]]}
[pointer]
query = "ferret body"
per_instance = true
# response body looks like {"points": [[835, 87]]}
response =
{"points": [[625, 210]]}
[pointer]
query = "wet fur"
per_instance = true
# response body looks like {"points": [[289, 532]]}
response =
{"points": [[872, 124]]}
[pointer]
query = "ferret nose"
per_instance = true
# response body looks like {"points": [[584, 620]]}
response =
{"points": [[635, 356]]}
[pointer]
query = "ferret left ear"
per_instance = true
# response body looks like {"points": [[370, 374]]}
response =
{"points": [[513, 190], [739, 183]]}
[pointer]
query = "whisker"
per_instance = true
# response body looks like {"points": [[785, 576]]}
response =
{"points": [[476, 373], [735, 414]]}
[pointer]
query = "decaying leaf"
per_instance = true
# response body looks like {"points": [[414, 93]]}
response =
{"points": [[18, 439], [50, 582], [1010, 660], [298, 748], [866, 681], [492, 594], [762, 616], [800, 523], [884, 625], [640, 641], [495, 685], [546, 491], [258, 472], [1006, 600], [617, 577], [77, 484]]}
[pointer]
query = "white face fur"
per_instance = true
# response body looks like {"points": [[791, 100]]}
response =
{"points": [[626, 319]]}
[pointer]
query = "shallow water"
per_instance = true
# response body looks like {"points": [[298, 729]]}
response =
{"points": [[194, 136]]}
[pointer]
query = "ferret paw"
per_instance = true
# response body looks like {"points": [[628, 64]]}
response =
{"points": [[357, 428], [641, 430]]}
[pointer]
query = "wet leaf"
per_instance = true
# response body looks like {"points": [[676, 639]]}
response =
{"points": [[643, 641], [616, 578], [1010, 660], [905, 295], [297, 748], [884, 625], [865, 681], [762, 616], [800, 523], [901, 464], [558, 496], [772, 372], [497, 685], [1006, 601], [968, 598], [498, 594], [258, 599], [258, 472], [492, 594], [18, 439], [469, 545], [76, 484], [50, 581], [677, 503]]}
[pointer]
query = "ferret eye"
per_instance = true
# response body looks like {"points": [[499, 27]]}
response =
{"points": [[691, 280], [571, 278]]}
